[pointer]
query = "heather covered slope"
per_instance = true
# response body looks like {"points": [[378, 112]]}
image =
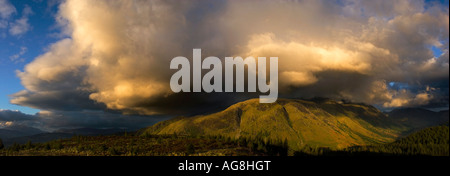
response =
{"points": [[321, 123]]}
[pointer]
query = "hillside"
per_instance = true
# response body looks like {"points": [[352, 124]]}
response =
{"points": [[321, 123], [438, 135], [432, 141]]}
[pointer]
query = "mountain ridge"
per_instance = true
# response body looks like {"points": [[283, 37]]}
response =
{"points": [[324, 123], [18, 131], [418, 118], [42, 136]]}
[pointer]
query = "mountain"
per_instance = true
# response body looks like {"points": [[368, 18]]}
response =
{"points": [[91, 131], [40, 136], [18, 131], [418, 118], [322, 122]]}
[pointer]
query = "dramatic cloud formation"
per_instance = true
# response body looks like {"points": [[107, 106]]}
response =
{"points": [[117, 53]]}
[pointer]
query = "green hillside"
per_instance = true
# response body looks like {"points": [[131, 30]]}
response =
{"points": [[318, 123]]}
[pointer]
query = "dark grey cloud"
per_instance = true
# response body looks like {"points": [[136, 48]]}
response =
{"points": [[10, 115]]}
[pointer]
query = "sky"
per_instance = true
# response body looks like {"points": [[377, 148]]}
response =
{"points": [[79, 63], [27, 28]]}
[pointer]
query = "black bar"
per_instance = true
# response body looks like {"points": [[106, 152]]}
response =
{"points": [[276, 166]]}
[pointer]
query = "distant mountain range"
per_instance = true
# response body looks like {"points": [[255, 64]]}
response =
{"points": [[22, 135], [418, 117], [320, 123], [91, 131], [17, 131]]}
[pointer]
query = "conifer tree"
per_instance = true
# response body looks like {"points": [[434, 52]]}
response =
{"points": [[1, 144]]}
